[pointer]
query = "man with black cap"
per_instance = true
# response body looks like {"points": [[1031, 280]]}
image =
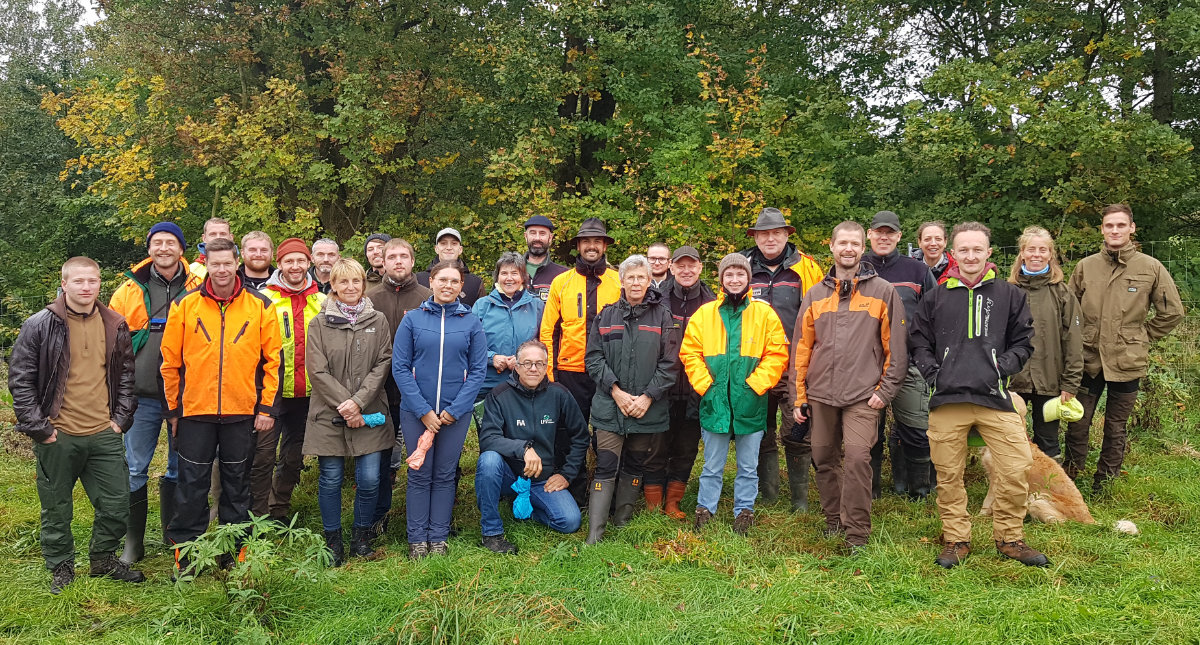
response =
{"points": [[539, 268], [448, 243], [373, 250], [574, 300], [145, 301], [780, 276], [908, 443], [683, 293]]}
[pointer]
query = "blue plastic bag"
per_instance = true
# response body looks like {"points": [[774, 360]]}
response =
{"points": [[375, 419], [522, 509]]}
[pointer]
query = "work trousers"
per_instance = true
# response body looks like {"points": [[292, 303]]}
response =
{"points": [[98, 462], [278, 459], [842, 438], [199, 444]]}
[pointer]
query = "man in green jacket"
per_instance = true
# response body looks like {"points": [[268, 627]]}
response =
{"points": [[1117, 288]]}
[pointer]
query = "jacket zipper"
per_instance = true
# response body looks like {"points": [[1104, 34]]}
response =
{"points": [[933, 389], [200, 327], [999, 377], [220, 361], [970, 313], [441, 357], [287, 326], [979, 315], [240, 332], [579, 304]]}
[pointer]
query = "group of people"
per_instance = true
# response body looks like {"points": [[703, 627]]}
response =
{"points": [[252, 365]]}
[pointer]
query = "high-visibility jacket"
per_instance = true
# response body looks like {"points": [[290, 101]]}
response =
{"points": [[574, 301], [221, 357], [132, 299], [294, 310]]}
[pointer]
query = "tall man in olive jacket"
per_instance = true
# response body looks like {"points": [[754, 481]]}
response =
{"points": [[1117, 288], [850, 358], [71, 380], [969, 336]]}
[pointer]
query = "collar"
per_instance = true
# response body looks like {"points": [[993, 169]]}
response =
{"points": [[591, 269]]}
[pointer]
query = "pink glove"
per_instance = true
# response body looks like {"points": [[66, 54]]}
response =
{"points": [[417, 458]]}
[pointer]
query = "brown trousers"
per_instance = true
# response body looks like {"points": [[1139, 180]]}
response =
{"points": [[842, 439], [1004, 433]]}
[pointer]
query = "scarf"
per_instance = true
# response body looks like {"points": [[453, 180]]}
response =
{"points": [[1044, 271], [351, 312]]}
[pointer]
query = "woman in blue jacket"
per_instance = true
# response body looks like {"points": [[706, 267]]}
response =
{"points": [[439, 359], [510, 316]]}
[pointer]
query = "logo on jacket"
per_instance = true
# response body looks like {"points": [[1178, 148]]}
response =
{"points": [[546, 419], [520, 423]]}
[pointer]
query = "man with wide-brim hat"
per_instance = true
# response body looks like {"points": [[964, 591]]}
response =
{"points": [[780, 276], [575, 297]]}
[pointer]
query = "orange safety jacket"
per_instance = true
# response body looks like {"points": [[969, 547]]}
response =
{"points": [[132, 299]]}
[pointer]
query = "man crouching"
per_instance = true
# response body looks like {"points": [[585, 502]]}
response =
{"points": [[521, 421]]}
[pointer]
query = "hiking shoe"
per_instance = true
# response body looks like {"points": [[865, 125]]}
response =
{"points": [[418, 550], [497, 544], [743, 522], [109, 566], [1022, 553], [833, 530], [360, 542], [953, 554], [61, 576], [703, 515], [439, 548]]}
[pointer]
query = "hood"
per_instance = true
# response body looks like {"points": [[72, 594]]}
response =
{"points": [[866, 271], [698, 290], [955, 278], [591, 270], [653, 297], [1120, 256], [276, 282], [1032, 281], [140, 272], [206, 289], [881, 261]]}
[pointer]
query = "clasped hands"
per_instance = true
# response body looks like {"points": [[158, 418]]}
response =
{"points": [[634, 407]]}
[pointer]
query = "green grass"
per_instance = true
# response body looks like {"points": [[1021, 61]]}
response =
{"points": [[656, 582]]}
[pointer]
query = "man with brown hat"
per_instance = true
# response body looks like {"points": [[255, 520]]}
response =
{"points": [[575, 298], [780, 276], [296, 299]]}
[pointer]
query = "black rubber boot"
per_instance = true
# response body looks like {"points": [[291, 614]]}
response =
{"points": [[768, 476], [900, 474], [628, 492], [166, 506], [135, 531], [360, 542], [798, 465], [920, 471], [333, 542], [877, 473], [598, 505]]}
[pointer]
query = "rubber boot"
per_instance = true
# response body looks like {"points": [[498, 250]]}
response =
{"points": [[798, 465], [877, 474], [920, 470], [768, 476], [1112, 450], [628, 490], [900, 475], [654, 496], [599, 501], [135, 531], [166, 506], [1076, 445], [675, 491]]}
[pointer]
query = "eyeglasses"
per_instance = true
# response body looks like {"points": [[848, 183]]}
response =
{"points": [[532, 365], [659, 260]]}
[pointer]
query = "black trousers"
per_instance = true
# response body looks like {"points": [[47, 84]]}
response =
{"points": [[199, 443], [1045, 433], [582, 389], [278, 460], [682, 444]]}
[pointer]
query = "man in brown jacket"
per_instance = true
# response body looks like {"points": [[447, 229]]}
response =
{"points": [[849, 360], [1116, 288]]}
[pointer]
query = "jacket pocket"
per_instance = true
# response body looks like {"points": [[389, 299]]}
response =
{"points": [[201, 328]]}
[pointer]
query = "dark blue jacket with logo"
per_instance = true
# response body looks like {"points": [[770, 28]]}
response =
{"points": [[515, 417]]}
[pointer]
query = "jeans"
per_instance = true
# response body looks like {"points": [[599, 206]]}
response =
{"points": [[430, 491], [494, 479], [329, 489], [141, 440], [745, 484]]}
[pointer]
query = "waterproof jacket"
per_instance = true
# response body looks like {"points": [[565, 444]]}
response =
{"points": [[1116, 291], [507, 325], [1056, 365], [851, 341], [294, 310], [221, 357], [784, 287], [439, 359], [472, 288], [539, 282], [632, 347], [683, 303], [516, 417], [347, 361], [41, 358], [146, 295], [910, 277], [969, 340], [575, 298], [733, 354]]}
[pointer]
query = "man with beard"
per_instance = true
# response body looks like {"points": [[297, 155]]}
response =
{"points": [[256, 266], [448, 243], [145, 301], [373, 251], [324, 253], [295, 300], [659, 255], [780, 276], [574, 300], [540, 269], [396, 295], [215, 228]]}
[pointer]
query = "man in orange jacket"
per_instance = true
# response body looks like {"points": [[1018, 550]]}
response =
{"points": [[221, 359]]}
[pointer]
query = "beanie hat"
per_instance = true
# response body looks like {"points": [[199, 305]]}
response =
{"points": [[166, 227], [382, 237], [733, 260], [292, 245]]}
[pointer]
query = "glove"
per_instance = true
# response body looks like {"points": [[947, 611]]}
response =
{"points": [[522, 509]]}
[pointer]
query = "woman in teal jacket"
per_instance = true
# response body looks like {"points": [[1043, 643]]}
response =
{"points": [[510, 315]]}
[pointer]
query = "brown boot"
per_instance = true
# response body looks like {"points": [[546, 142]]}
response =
{"points": [[743, 522], [1022, 553], [675, 491], [703, 515], [953, 554], [654, 496]]}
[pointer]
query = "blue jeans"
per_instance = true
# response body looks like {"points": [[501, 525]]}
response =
{"points": [[745, 484], [141, 440], [494, 479], [429, 495], [329, 490]]}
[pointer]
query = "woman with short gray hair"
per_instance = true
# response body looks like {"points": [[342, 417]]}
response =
{"points": [[511, 315]]}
